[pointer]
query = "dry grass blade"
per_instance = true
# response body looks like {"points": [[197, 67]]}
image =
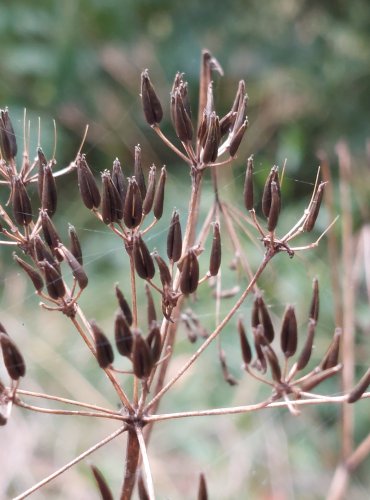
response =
{"points": [[101, 483]]}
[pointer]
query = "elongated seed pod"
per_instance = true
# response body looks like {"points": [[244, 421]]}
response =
{"points": [[150, 192], [133, 209], [101, 483], [138, 172], [273, 362], [142, 362], [144, 264], [159, 195], [35, 277], [265, 320], [237, 139], [41, 251], [124, 306], [288, 335], [315, 303], [183, 125], [51, 235], [154, 341], [248, 185], [104, 351], [255, 318], [151, 314], [227, 122], [317, 378], [164, 272], [41, 162], [202, 488], [112, 210], [266, 195], [189, 275], [274, 208], [239, 96], [49, 192], [174, 238], [314, 208], [87, 185], [305, 355], [13, 359], [151, 105], [359, 388], [76, 268], [202, 130], [75, 245], [212, 140], [331, 356], [53, 279], [8, 141], [215, 258], [22, 209], [119, 180], [244, 344], [260, 363], [123, 335]]}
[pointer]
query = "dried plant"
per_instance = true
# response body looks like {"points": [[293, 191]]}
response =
{"points": [[131, 207]]}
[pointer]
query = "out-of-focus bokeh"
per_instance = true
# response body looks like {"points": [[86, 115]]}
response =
{"points": [[306, 66]]}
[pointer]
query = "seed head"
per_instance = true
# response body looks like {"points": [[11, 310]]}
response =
{"points": [[133, 209], [215, 258], [123, 335], [159, 195], [104, 351], [87, 185], [174, 238], [22, 208], [141, 357], [49, 192], [288, 335], [144, 264], [151, 105], [189, 275]]}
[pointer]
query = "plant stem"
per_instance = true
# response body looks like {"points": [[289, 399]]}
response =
{"points": [[132, 460], [144, 455], [70, 464]]}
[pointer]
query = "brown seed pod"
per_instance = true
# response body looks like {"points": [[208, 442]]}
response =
{"points": [[123, 304], [133, 209], [49, 192], [212, 140], [237, 139], [159, 195], [119, 180], [152, 315], [144, 264], [314, 308], [41, 251], [265, 320], [359, 388], [22, 209], [244, 344], [142, 361], [288, 334], [53, 279], [123, 335], [227, 123], [202, 488], [138, 172], [305, 355], [189, 275], [86, 184], [274, 208], [13, 359], [317, 378], [149, 197], [332, 354], [164, 272], [314, 208], [151, 105], [104, 351], [51, 235], [101, 483], [255, 318], [174, 238], [76, 268], [111, 201], [42, 162], [267, 195], [215, 258], [34, 275], [259, 340], [183, 125], [273, 362], [75, 245], [248, 185], [154, 341], [8, 140], [202, 130], [239, 96]]}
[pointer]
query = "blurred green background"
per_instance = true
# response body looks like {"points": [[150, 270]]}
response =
{"points": [[306, 65]]}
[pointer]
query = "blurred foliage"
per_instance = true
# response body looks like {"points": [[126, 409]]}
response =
{"points": [[306, 64]]}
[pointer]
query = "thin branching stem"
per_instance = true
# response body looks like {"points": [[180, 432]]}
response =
{"points": [[146, 465]]}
